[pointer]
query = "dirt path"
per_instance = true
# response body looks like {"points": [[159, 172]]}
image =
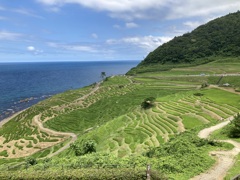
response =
{"points": [[90, 93], [225, 159], [232, 90], [36, 120]]}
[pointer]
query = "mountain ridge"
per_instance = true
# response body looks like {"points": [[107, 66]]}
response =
{"points": [[217, 38]]}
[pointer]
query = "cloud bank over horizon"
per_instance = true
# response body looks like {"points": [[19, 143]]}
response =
{"points": [[99, 29]]}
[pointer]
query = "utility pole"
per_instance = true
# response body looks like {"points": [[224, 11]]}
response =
{"points": [[148, 172]]}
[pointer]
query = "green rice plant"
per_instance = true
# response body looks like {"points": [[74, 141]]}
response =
{"points": [[170, 111], [168, 128], [216, 111], [35, 141], [170, 121], [4, 153], [206, 116], [223, 109], [13, 151], [29, 145], [190, 121], [18, 146], [232, 108]]}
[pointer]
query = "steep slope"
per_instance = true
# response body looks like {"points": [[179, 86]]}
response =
{"points": [[219, 37]]}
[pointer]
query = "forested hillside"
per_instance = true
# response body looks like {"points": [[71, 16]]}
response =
{"points": [[217, 38]]}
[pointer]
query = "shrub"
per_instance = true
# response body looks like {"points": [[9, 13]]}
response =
{"points": [[198, 94], [235, 129], [148, 103], [84, 147], [204, 85], [31, 161]]}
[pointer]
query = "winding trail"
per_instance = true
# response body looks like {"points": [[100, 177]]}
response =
{"points": [[37, 121], [225, 159]]}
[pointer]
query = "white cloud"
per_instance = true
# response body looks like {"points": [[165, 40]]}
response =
{"points": [[111, 6], [2, 8], [192, 24], [131, 25], [3, 18], [22, 11], [141, 9], [74, 47], [116, 26], [31, 48], [34, 51], [6, 35], [190, 8], [94, 35], [26, 13], [80, 48], [54, 9], [148, 43]]}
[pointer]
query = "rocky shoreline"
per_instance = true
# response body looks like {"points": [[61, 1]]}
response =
{"points": [[21, 105]]}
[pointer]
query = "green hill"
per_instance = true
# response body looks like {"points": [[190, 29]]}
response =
{"points": [[217, 38]]}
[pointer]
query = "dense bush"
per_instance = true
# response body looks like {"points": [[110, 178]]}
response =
{"points": [[84, 147], [83, 174], [148, 103], [235, 128], [31, 161], [185, 154]]}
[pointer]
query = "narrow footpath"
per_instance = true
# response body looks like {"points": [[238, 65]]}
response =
{"points": [[37, 121], [225, 159]]}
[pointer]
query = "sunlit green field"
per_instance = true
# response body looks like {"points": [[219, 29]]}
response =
{"points": [[112, 117]]}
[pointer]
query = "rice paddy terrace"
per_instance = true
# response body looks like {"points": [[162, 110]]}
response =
{"points": [[110, 113], [140, 129]]}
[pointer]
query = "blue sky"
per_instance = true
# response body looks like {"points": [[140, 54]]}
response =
{"points": [[89, 30]]}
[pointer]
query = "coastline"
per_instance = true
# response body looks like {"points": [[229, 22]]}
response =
{"points": [[4, 121]]}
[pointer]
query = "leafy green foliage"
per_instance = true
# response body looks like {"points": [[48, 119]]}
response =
{"points": [[4, 153], [204, 85], [235, 130], [31, 161], [219, 37], [84, 147], [184, 154], [83, 174], [103, 75], [198, 94], [148, 103]]}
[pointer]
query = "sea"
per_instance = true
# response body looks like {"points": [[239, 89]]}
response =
{"points": [[26, 83]]}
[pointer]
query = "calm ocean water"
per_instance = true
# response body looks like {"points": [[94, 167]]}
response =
{"points": [[24, 84]]}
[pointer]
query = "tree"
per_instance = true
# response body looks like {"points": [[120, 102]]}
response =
{"points": [[89, 147], [235, 130], [103, 75], [31, 161], [148, 103], [84, 147]]}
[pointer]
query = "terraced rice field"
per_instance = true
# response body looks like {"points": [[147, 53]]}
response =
{"points": [[124, 128], [140, 129]]}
